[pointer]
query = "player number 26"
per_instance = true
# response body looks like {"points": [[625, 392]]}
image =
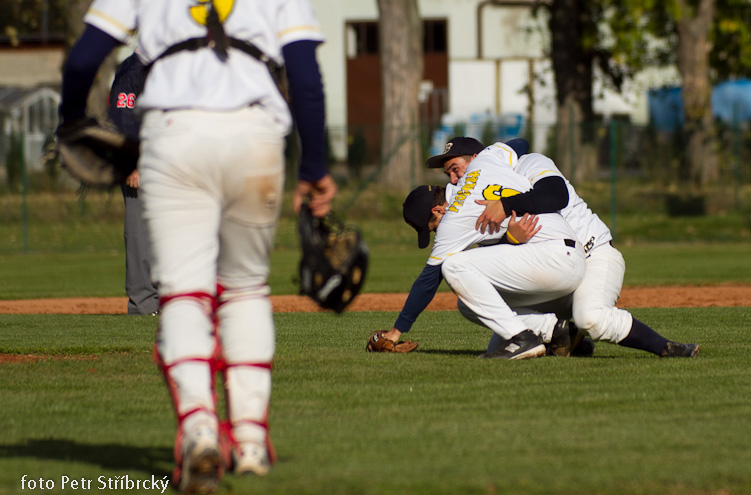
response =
{"points": [[126, 100]]}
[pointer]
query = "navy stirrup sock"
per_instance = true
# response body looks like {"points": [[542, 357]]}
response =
{"points": [[644, 338]]}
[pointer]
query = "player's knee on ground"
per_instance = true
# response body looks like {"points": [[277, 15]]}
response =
{"points": [[603, 323]]}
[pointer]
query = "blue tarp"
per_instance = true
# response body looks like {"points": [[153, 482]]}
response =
{"points": [[731, 102], [504, 127]]}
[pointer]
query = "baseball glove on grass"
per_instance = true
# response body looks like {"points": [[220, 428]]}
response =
{"points": [[377, 342], [96, 155]]}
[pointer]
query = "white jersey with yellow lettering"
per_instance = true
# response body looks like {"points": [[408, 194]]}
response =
{"points": [[495, 284], [589, 229], [488, 177], [213, 85]]}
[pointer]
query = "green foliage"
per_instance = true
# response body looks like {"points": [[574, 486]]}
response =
{"points": [[439, 421], [643, 33], [21, 18], [731, 40]]}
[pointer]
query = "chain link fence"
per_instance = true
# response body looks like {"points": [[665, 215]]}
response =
{"points": [[619, 168]]}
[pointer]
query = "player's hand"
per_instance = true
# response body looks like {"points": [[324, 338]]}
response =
{"points": [[319, 193], [520, 230], [133, 180], [492, 217]]}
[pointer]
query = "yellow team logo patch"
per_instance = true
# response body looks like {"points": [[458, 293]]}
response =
{"points": [[200, 9], [496, 192]]}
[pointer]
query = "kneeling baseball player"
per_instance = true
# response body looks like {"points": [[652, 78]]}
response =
{"points": [[492, 281], [594, 302]]}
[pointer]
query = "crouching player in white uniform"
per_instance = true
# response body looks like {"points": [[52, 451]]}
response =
{"points": [[594, 302], [493, 281], [212, 171]]}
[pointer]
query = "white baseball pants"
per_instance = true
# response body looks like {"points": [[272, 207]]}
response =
{"points": [[212, 185], [594, 301], [490, 281]]}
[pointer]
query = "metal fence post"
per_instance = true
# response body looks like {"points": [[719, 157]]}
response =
{"points": [[571, 143], [24, 190], [613, 146], [736, 157]]}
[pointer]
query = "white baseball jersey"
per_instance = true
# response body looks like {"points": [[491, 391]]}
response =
{"points": [[240, 81], [489, 176], [590, 230]]}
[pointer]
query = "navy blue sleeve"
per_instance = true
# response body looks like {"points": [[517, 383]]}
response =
{"points": [[126, 87], [422, 292], [308, 106], [547, 196], [80, 69]]}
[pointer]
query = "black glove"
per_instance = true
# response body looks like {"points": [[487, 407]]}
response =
{"points": [[334, 260]]}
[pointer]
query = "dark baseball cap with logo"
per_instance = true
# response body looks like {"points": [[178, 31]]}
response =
{"points": [[416, 211], [458, 146]]}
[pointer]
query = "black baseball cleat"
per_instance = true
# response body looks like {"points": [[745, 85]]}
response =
{"points": [[581, 346], [560, 341], [586, 348], [676, 349], [524, 345]]}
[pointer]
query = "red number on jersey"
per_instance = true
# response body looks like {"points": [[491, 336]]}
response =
{"points": [[126, 100]]}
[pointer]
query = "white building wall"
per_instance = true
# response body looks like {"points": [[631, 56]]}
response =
{"points": [[27, 68], [511, 38]]}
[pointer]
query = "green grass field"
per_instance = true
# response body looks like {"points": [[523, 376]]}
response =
{"points": [[437, 421]]}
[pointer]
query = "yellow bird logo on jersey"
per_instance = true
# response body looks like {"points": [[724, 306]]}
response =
{"points": [[496, 192], [199, 11]]}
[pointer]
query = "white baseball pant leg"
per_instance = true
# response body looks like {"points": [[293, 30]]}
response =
{"points": [[212, 186], [594, 308], [489, 281]]}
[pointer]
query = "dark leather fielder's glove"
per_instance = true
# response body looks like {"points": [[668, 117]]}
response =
{"points": [[377, 342], [94, 154]]}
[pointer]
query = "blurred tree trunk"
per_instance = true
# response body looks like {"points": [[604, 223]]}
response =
{"points": [[574, 37], [400, 39], [99, 95], [693, 64]]}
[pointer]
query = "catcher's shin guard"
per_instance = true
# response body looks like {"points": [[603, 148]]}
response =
{"points": [[246, 330], [247, 423], [187, 352]]}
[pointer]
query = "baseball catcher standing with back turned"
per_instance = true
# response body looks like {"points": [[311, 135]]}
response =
{"points": [[212, 172]]}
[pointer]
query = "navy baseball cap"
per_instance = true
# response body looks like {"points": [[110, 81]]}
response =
{"points": [[519, 145], [416, 211], [458, 146]]}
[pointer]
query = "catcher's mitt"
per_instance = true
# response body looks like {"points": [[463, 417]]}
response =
{"points": [[96, 155], [334, 260], [377, 342]]}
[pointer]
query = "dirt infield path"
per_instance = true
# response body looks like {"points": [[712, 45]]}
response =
{"points": [[631, 297]]}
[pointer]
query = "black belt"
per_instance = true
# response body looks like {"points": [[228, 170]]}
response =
{"points": [[569, 242]]}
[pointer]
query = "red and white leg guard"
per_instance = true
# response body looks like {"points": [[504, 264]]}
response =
{"points": [[187, 351], [247, 336]]}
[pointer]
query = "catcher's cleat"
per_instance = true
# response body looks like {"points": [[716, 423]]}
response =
{"points": [[201, 462], [524, 345], [676, 349], [251, 458], [560, 342]]}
